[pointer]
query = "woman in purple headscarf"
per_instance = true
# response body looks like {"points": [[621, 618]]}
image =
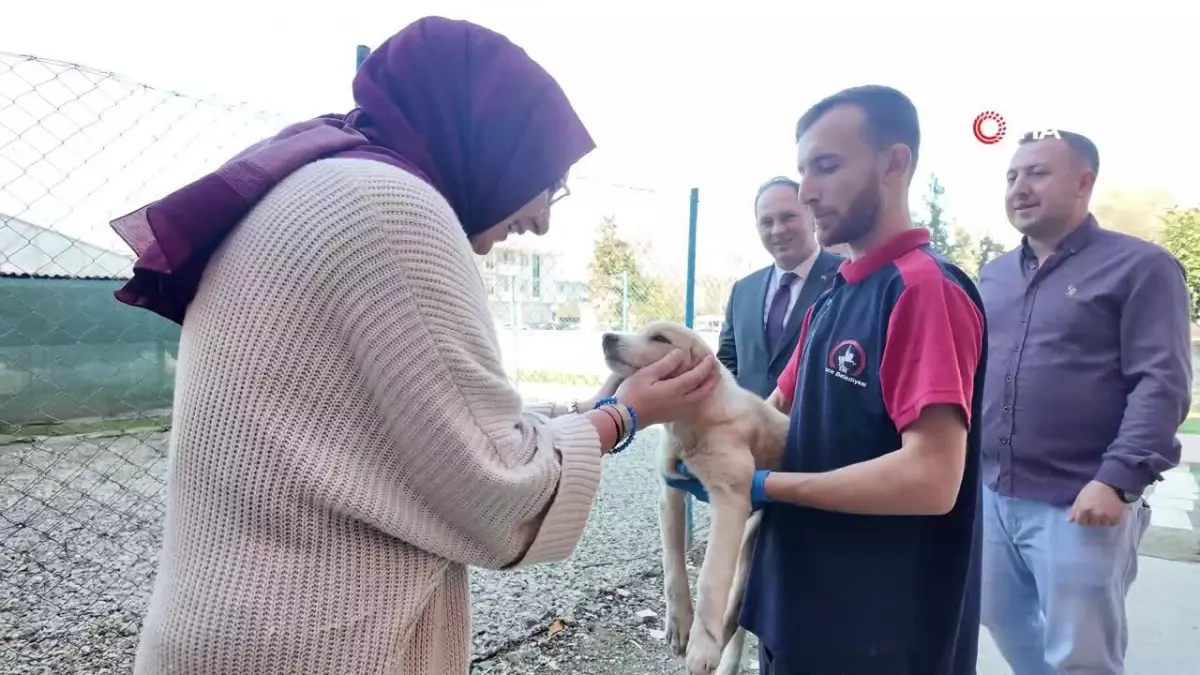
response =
{"points": [[345, 440]]}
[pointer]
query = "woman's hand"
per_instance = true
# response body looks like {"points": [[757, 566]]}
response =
{"points": [[657, 397]]}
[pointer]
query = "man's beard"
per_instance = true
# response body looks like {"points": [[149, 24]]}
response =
{"points": [[860, 218]]}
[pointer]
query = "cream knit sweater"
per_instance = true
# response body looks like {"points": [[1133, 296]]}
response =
{"points": [[346, 443]]}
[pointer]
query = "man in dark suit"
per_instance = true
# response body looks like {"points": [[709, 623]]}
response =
{"points": [[766, 308]]}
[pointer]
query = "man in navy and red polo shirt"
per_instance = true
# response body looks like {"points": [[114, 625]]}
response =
{"points": [[867, 558]]}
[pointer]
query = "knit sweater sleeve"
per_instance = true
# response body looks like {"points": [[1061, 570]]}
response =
{"points": [[475, 477]]}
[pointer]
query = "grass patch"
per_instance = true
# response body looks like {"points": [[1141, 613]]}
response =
{"points": [[555, 377]]}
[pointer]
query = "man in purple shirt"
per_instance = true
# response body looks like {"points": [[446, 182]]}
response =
{"points": [[1089, 378]]}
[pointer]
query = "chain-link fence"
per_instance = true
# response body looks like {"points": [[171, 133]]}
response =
{"points": [[85, 382]]}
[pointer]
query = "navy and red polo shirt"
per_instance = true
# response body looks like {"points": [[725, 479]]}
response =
{"points": [[837, 593]]}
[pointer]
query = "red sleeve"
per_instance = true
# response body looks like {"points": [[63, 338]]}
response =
{"points": [[786, 384], [934, 341]]}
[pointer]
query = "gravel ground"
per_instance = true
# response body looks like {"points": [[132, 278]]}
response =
{"points": [[80, 525], [79, 530], [615, 631]]}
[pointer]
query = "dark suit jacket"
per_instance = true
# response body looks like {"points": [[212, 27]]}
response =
{"points": [[743, 341]]}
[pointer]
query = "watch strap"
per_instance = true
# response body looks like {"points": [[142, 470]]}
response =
{"points": [[1127, 497]]}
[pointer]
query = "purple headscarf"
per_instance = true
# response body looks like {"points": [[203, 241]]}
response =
{"points": [[453, 103]]}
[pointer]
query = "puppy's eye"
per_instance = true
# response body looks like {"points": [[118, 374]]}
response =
{"points": [[660, 338]]}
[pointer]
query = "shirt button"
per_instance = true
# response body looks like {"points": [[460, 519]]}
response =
{"points": [[1016, 348], [1024, 319], [1008, 378], [1004, 440], [1008, 408]]}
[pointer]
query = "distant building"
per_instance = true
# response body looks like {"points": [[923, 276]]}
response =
{"points": [[28, 249], [525, 291]]}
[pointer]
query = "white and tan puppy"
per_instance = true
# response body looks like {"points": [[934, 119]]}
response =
{"points": [[730, 434]]}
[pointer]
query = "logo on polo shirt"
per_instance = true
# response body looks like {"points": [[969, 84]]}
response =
{"points": [[847, 361]]}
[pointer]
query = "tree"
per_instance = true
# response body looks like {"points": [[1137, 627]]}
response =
{"points": [[1181, 236], [612, 258], [617, 285], [988, 249], [939, 230], [1135, 212], [655, 299], [962, 252], [712, 292]]}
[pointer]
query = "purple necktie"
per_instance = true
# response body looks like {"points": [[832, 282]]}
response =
{"points": [[777, 314]]}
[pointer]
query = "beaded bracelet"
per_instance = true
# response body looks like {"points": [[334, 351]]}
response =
{"points": [[614, 413], [628, 417]]}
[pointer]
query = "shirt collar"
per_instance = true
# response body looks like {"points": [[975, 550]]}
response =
{"points": [[855, 271], [802, 270], [1073, 243]]}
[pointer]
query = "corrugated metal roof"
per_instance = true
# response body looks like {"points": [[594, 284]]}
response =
{"points": [[26, 248], [26, 275]]}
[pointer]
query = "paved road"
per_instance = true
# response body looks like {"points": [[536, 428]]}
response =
{"points": [[1191, 447]]}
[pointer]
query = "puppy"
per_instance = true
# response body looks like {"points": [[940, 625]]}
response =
{"points": [[729, 435]]}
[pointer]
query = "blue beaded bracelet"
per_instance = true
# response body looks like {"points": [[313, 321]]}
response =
{"points": [[633, 422]]}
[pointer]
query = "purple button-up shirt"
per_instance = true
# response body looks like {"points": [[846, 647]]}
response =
{"points": [[1089, 366]]}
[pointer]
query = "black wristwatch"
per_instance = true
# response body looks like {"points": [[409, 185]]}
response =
{"points": [[1127, 497]]}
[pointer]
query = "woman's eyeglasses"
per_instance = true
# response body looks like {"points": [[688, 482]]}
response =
{"points": [[559, 190]]}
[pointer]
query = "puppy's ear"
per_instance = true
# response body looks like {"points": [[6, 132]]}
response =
{"points": [[610, 385]]}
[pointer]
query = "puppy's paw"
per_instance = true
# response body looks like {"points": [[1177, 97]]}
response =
{"points": [[731, 662], [679, 627], [703, 656]]}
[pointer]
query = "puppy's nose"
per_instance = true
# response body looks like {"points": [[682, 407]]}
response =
{"points": [[609, 340]]}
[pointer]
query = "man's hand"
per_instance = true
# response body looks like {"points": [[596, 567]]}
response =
{"points": [[1097, 505], [780, 402], [689, 483]]}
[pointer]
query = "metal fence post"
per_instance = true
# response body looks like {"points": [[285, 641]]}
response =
{"points": [[689, 315]]}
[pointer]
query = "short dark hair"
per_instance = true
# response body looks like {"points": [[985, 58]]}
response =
{"points": [[891, 116], [777, 180], [1082, 146]]}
